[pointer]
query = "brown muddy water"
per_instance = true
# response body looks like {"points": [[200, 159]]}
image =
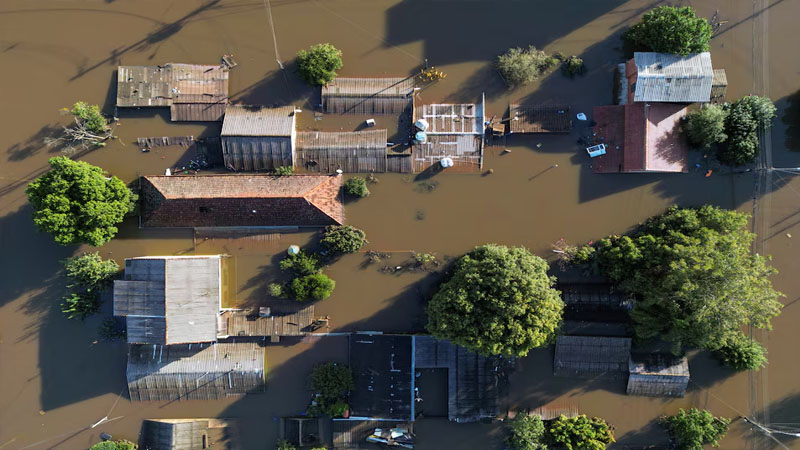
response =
{"points": [[57, 380]]}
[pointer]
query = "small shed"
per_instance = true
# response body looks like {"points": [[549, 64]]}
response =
{"points": [[591, 356], [719, 86], [350, 151], [368, 96], [194, 371], [383, 376], [658, 375], [170, 299], [194, 92], [539, 118], [258, 138], [187, 434]]}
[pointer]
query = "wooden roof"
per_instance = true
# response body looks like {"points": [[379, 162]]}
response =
{"points": [[241, 201], [194, 371], [350, 151], [186, 434], [241, 120], [539, 118], [240, 323], [369, 87], [169, 299]]}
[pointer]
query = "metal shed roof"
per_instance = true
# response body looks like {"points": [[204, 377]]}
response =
{"points": [[591, 356], [243, 120], [663, 77]]}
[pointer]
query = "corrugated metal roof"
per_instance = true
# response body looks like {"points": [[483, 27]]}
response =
{"points": [[663, 77], [243, 120], [589, 355], [171, 83], [350, 151], [350, 140], [169, 300], [369, 87]]}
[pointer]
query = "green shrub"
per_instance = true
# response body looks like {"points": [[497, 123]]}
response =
{"points": [[424, 258], [283, 444], [744, 117], [81, 304], [89, 270], [318, 64], [691, 430], [90, 116], [77, 204], [331, 383], [520, 66], [277, 290], [669, 29], [343, 239], [573, 66], [579, 433], [301, 263], [121, 444], [283, 171], [742, 353], [706, 126], [527, 432], [356, 187], [317, 287]]}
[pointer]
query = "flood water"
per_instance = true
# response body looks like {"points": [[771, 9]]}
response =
{"points": [[57, 379]]}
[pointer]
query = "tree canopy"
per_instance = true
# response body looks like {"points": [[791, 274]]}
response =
{"points": [[356, 187], [316, 286], [77, 204], [694, 276], [579, 433], [742, 353], [90, 271], [343, 239], [331, 383], [706, 126], [498, 301], [743, 119], [318, 64], [527, 432], [691, 430], [670, 29], [520, 66]]}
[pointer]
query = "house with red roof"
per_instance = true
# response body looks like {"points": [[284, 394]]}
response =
{"points": [[241, 201]]}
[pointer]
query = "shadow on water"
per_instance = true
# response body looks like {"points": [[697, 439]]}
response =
{"points": [[651, 436], [35, 143], [278, 88], [791, 119], [784, 415]]}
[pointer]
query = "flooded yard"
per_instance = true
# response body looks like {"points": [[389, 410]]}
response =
{"points": [[58, 379]]}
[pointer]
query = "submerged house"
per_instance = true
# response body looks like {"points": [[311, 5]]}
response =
{"points": [[640, 137], [349, 151], [194, 371], [258, 138], [260, 201], [383, 374], [658, 375], [591, 356], [539, 119], [171, 299], [368, 96], [453, 131], [664, 77], [187, 434], [193, 92]]}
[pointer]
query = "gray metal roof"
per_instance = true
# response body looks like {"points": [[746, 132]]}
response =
{"points": [[591, 356], [243, 120], [194, 371], [663, 77], [170, 299]]}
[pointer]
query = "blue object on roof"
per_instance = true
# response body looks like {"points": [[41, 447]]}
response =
{"points": [[421, 136]]}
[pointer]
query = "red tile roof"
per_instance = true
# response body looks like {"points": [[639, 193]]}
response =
{"points": [[640, 137], [241, 200]]}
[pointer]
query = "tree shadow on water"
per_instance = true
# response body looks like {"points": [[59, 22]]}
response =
{"points": [[35, 143], [279, 88]]}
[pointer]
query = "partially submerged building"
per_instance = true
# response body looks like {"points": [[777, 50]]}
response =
{"points": [[658, 375], [640, 137], [664, 77], [171, 299], [258, 138], [591, 356], [383, 374], [260, 201], [454, 131], [194, 371], [193, 92], [539, 119], [187, 434], [349, 151], [368, 96]]}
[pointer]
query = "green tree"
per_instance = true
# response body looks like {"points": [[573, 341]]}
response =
{"points": [[89, 271], [498, 301], [669, 29], [283, 444], [91, 117], [520, 66], [318, 64], [122, 444], [331, 383], [77, 204], [580, 433], [301, 263], [743, 120], [81, 304], [694, 276], [343, 239], [706, 126], [527, 432], [283, 171], [316, 286], [356, 187], [691, 430], [573, 66], [742, 353]]}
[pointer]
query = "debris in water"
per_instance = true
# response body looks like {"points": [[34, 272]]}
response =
{"points": [[789, 235], [420, 215], [708, 174], [505, 150], [539, 145]]}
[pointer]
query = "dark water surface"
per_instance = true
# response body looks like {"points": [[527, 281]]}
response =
{"points": [[57, 380]]}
